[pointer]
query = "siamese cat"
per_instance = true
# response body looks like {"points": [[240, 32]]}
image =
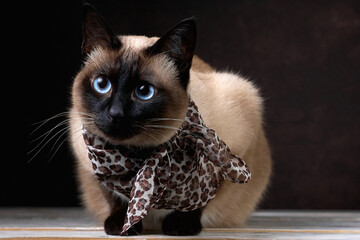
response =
{"points": [[127, 81]]}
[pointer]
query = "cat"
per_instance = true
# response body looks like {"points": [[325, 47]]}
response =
{"points": [[135, 79]]}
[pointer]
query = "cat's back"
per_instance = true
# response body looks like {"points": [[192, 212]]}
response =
{"points": [[232, 106], [228, 103]]}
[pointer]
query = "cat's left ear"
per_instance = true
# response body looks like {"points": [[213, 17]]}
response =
{"points": [[96, 32], [179, 44]]}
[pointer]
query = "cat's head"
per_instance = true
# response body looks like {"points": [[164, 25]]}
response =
{"points": [[131, 90]]}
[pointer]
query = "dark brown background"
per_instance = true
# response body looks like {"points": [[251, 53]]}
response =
{"points": [[304, 56]]}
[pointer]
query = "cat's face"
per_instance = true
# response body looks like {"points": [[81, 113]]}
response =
{"points": [[131, 89]]}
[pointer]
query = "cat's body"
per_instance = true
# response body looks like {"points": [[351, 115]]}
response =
{"points": [[228, 104]]}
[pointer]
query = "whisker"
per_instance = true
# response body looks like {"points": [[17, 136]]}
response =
{"points": [[147, 133], [57, 140], [85, 114], [157, 131], [46, 137], [47, 133], [161, 126], [65, 132], [50, 118], [66, 139], [58, 132], [46, 143], [164, 127], [172, 119], [62, 114], [56, 116], [46, 121], [165, 119]]}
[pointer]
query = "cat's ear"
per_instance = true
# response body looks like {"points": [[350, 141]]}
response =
{"points": [[96, 32], [179, 44]]}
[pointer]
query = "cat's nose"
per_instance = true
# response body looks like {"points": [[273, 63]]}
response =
{"points": [[116, 112]]}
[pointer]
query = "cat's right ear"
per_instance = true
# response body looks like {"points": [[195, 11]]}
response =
{"points": [[96, 32]]}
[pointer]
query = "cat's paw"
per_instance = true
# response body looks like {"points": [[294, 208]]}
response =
{"points": [[182, 223], [114, 223]]}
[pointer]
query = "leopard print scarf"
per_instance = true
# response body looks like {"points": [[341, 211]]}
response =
{"points": [[182, 174]]}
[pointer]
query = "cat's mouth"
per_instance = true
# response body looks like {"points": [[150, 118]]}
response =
{"points": [[119, 132]]}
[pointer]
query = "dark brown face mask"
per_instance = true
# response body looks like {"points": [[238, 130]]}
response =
{"points": [[181, 174]]}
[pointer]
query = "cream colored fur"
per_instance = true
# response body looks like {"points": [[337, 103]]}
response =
{"points": [[230, 105]]}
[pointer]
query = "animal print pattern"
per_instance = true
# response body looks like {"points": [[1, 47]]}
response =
{"points": [[181, 174]]}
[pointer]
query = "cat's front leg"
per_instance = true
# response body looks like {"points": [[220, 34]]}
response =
{"points": [[114, 223], [180, 223]]}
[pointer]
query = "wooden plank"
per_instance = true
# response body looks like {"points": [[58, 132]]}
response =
{"points": [[203, 235], [345, 220], [73, 223]]}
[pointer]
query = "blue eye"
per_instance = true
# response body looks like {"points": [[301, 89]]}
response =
{"points": [[101, 85], [144, 91]]}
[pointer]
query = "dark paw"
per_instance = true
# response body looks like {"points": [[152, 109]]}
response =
{"points": [[114, 223], [182, 223]]}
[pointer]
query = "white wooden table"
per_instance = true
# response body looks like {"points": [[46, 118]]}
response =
{"points": [[73, 223]]}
